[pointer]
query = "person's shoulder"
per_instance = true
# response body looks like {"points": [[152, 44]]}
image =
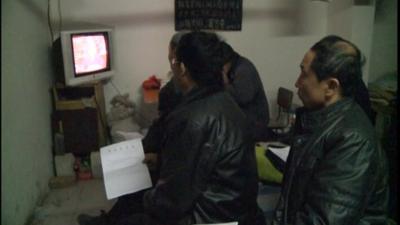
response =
{"points": [[355, 117], [244, 60], [214, 107], [354, 126], [214, 103], [244, 64]]}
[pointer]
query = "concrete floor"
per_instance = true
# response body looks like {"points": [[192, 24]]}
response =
{"points": [[62, 206]]}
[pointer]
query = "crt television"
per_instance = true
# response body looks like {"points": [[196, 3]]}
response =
{"points": [[84, 55]]}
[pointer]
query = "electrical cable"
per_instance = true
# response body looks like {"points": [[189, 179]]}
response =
{"points": [[115, 88], [49, 21], [102, 120], [59, 17]]}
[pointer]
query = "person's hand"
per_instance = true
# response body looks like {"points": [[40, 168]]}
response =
{"points": [[151, 159]]}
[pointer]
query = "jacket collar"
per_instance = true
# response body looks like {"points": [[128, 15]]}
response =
{"points": [[198, 93], [311, 120]]}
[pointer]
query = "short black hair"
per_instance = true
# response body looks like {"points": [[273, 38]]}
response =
{"points": [[200, 52], [339, 58], [176, 38], [227, 52]]}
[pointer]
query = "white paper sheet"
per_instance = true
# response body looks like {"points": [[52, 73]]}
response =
{"points": [[271, 143], [123, 169], [281, 152]]}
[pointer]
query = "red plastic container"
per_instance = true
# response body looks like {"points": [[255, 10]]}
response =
{"points": [[151, 89]]}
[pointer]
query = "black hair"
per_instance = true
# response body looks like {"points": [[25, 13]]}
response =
{"points": [[200, 52], [227, 52], [176, 38], [339, 58]]}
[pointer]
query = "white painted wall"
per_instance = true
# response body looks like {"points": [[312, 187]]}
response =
{"points": [[275, 35], [384, 44], [354, 23], [26, 157]]}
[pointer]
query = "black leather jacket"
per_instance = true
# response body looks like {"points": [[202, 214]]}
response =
{"points": [[336, 173], [208, 169]]}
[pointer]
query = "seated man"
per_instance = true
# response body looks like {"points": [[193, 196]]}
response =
{"points": [[336, 173]]}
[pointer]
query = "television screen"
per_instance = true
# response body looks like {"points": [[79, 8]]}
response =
{"points": [[84, 54], [90, 53]]}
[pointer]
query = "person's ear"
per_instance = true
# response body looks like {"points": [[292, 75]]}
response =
{"points": [[333, 87]]}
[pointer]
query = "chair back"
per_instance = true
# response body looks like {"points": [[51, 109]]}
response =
{"points": [[285, 97]]}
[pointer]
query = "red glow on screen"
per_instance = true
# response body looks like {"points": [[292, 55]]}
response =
{"points": [[90, 53]]}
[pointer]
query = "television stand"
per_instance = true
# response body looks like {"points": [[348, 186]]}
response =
{"points": [[79, 117]]}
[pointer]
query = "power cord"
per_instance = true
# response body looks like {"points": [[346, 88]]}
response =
{"points": [[59, 17], [115, 88], [49, 19], [102, 120]]}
